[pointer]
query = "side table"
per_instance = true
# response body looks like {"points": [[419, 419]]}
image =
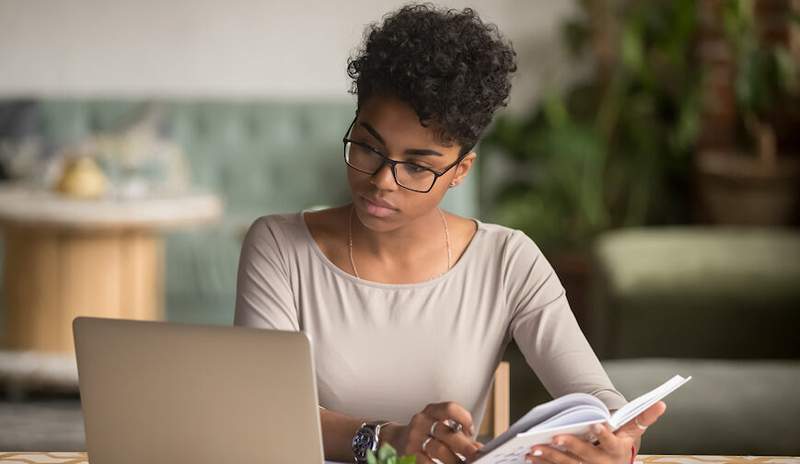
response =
{"points": [[67, 257]]}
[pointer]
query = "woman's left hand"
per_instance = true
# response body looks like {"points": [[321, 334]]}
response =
{"points": [[613, 448]]}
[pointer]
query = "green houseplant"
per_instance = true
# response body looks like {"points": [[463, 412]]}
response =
{"points": [[611, 150], [614, 149], [754, 179], [388, 455]]}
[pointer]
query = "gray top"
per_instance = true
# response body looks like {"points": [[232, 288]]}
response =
{"points": [[384, 351]]}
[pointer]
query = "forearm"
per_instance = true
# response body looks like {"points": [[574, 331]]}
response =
{"points": [[338, 430], [337, 434]]}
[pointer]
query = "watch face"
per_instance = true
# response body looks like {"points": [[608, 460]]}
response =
{"points": [[363, 440]]}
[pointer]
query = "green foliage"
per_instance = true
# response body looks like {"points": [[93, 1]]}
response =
{"points": [[766, 74], [612, 150], [388, 455]]}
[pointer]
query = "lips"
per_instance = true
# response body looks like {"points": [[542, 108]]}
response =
{"points": [[381, 203], [378, 208]]}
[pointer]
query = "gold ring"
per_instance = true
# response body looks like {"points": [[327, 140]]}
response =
{"points": [[639, 424]]}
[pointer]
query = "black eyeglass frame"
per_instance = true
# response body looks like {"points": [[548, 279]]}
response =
{"points": [[394, 163]]}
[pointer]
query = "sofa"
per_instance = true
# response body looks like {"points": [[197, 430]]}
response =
{"points": [[719, 304], [260, 156]]}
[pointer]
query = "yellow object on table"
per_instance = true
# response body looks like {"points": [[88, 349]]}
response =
{"points": [[82, 178]]}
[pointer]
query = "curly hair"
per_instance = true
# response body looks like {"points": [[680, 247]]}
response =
{"points": [[453, 69]]}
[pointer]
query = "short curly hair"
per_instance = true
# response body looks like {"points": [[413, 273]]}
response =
{"points": [[453, 69]]}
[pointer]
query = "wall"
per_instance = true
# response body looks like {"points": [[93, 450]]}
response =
{"points": [[236, 48]]}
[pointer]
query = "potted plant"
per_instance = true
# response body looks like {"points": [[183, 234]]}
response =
{"points": [[754, 178], [611, 150]]}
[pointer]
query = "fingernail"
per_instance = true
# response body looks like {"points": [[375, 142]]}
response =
{"points": [[537, 452], [558, 441]]}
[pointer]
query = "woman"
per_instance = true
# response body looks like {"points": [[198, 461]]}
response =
{"points": [[409, 308]]}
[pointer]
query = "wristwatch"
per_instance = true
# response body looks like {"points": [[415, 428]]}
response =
{"points": [[366, 439]]}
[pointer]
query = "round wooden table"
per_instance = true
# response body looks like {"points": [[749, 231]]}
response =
{"points": [[68, 257]]}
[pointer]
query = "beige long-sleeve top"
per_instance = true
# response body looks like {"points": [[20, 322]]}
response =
{"points": [[384, 351]]}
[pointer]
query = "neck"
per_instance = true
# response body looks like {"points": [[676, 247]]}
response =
{"points": [[425, 232]]}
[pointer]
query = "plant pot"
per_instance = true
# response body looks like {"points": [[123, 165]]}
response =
{"points": [[735, 188]]}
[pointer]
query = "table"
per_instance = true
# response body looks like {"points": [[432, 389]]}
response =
{"points": [[80, 458], [68, 257]]}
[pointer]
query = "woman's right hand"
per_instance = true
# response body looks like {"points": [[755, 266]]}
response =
{"points": [[445, 445]]}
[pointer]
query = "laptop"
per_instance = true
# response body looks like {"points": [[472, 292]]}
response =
{"points": [[159, 392]]}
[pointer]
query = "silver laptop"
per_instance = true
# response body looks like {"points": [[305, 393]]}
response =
{"points": [[160, 392]]}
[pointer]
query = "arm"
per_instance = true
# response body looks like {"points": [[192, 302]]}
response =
{"points": [[544, 327], [542, 324], [264, 297]]}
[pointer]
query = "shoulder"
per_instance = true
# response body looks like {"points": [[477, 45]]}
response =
{"points": [[508, 243], [275, 227]]}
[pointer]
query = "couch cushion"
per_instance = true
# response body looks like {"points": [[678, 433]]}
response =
{"points": [[698, 292], [728, 408]]}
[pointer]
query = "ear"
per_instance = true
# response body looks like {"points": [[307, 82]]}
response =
{"points": [[462, 169]]}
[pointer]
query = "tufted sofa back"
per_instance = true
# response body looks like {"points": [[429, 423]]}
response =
{"points": [[260, 156]]}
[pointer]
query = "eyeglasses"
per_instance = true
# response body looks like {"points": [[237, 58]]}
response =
{"points": [[411, 176]]}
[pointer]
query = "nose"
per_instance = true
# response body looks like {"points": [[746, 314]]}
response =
{"points": [[384, 179]]}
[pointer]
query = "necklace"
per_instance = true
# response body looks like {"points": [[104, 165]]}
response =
{"points": [[350, 241]]}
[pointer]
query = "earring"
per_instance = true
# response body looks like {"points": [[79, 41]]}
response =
{"points": [[452, 184]]}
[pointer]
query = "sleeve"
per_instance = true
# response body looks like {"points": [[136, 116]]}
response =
{"points": [[544, 328], [264, 297]]}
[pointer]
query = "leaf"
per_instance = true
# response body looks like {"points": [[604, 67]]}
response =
{"points": [[371, 459], [386, 452]]}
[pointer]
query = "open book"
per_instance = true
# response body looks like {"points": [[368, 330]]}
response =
{"points": [[570, 414]]}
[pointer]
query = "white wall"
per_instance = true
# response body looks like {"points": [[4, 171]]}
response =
{"points": [[233, 48]]}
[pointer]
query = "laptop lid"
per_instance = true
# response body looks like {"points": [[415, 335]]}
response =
{"points": [[161, 392]]}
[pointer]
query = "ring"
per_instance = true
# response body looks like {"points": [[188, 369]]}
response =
{"points": [[433, 428], [425, 444], [638, 424]]}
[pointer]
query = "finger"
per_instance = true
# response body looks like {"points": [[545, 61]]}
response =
{"points": [[645, 419], [580, 448], [440, 453], [451, 410], [419, 431], [456, 441], [605, 437], [544, 453], [422, 458]]}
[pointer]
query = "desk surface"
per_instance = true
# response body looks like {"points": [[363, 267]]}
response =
{"points": [[80, 458]]}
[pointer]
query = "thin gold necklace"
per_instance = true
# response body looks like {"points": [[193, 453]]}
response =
{"points": [[350, 241]]}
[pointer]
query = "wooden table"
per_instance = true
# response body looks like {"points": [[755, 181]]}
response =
{"points": [[66, 257], [80, 458]]}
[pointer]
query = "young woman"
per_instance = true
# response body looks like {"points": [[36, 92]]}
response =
{"points": [[409, 308]]}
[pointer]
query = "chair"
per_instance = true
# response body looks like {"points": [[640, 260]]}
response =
{"points": [[496, 418]]}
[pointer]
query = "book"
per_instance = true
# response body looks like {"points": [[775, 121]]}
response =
{"points": [[570, 414]]}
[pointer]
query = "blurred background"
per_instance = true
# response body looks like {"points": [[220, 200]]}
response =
{"points": [[651, 148]]}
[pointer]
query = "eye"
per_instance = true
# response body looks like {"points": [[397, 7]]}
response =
{"points": [[415, 169]]}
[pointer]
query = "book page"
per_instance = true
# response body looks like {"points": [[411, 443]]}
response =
{"points": [[628, 412], [544, 412], [513, 451]]}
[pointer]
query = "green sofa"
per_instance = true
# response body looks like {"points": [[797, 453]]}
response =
{"points": [[719, 304], [261, 157]]}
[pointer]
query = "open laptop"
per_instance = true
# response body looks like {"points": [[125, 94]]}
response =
{"points": [[160, 392]]}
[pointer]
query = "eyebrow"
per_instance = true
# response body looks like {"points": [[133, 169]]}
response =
{"points": [[410, 151]]}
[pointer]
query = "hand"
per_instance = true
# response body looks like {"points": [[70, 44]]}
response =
{"points": [[444, 445], [613, 448]]}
